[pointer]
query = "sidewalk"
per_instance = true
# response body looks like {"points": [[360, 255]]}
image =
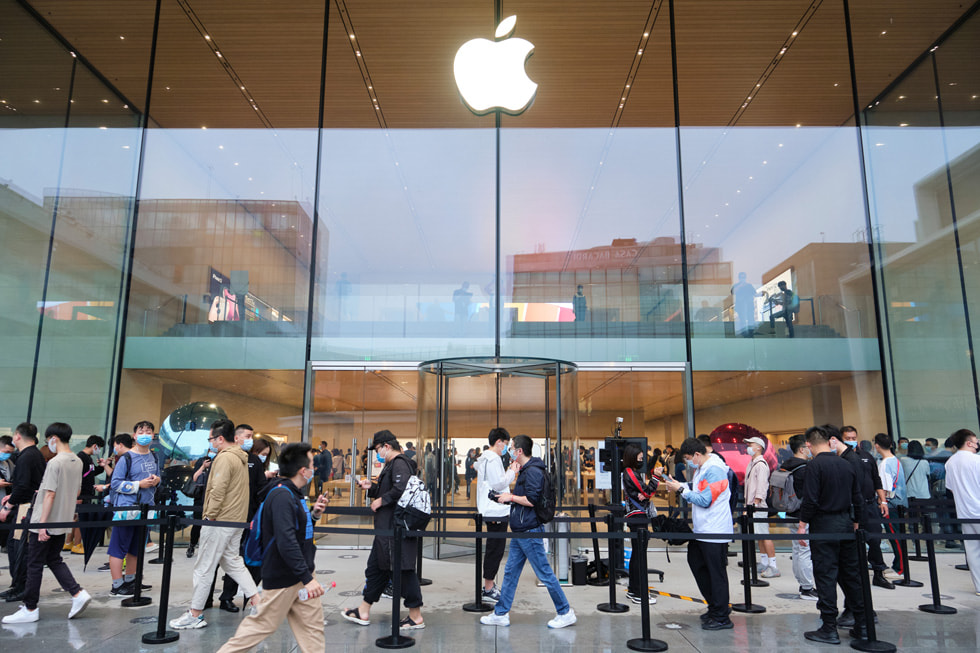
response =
{"points": [[108, 628]]}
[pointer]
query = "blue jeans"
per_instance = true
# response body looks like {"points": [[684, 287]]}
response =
{"points": [[531, 550]]}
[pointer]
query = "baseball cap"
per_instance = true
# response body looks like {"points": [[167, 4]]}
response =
{"points": [[382, 438]]}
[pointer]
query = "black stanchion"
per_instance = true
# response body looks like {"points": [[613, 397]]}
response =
{"points": [[162, 635], [750, 561], [137, 600], [906, 580], [478, 605], [936, 607], [612, 606], [747, 561], [645, 643], [396, 639], [601, 571], [418, 566], [916, 509], [872, 643]]}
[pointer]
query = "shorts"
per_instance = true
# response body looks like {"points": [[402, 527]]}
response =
{"points": [[761, 528], [125, 540]]}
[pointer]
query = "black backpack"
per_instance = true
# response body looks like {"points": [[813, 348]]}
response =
{"points": [[545, 508]]}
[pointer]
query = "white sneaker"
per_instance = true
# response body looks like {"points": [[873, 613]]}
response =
{"points": [[563, 620], [494, 619], [22, 616], [771, 572], [78, 603], [188, 621], [151, 547]]}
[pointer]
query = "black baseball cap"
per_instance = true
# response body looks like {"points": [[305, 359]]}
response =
{"points": [[382, 438]]}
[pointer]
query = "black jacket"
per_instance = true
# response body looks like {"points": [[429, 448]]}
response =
{"points": [[286, 518], [637, 495], [256, 484], [866, 468], [28, 473], [530, 485], [389, 487]]}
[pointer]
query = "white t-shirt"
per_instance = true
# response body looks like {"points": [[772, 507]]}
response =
{"points": [[963, 480]]}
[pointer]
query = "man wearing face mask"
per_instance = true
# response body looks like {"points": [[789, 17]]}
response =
{"points": [[244, 437], [225, 499], [708, 493], [802, 564], [25, 482], [490, 477], [385, 493], [134, 481], [88, 455], [963, 480]]}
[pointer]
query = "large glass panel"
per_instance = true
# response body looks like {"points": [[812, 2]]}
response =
{"points": [[590, 237], [406, 190], [773, 197], [225, 219], [921, 175]]}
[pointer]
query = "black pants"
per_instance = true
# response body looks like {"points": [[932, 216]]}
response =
{"points": [[196, 528], [47, 553], [708, 562], [16, 557], [835, 562], [638, 584], [898, 546], [787, 316], [871, 523], [494, 548], [377, 579]]}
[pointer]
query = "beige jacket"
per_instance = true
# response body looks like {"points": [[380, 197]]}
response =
{"points": [[226, 496], [757, 481]]}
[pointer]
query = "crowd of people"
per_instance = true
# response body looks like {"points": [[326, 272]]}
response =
{"points": [[835, 485]]}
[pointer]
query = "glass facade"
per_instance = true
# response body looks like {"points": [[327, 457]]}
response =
{"points": [[283, 210]]}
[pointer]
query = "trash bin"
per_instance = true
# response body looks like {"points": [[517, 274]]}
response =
{"points": [[580, 570]]}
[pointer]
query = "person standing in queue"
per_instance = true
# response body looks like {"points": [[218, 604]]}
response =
{"points": [[386, 492], [831, 501], [638, 495], [708, 493], [491, 477]]}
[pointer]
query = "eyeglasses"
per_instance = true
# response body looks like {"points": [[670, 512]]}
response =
{"points": [[213, 437]]}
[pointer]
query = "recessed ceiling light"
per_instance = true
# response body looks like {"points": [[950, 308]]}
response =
{"points": [[122, 38]]}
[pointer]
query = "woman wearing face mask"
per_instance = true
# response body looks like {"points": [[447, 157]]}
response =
{"points": [[638, 496]]}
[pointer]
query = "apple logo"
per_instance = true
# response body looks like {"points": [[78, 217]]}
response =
{"points": [[490, 75]]}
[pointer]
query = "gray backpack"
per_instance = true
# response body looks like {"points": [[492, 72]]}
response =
{"points": [[782, 493]]}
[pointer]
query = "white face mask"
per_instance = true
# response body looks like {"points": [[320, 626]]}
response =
{"points": [[53, 445], [95, 451]]}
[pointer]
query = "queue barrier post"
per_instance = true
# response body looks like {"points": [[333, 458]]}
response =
{"points": [[396, 639], [872, 643], [936, 607], [916, 509], [162, 635], [418, 567], [747, 607], [612, 607], [137, 600], [645, 643], [750, 561], [906, 580], [478, 605], [600, 570]]}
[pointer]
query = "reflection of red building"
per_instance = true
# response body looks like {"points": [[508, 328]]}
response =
{"points": [[729, 441], [626, 281]]}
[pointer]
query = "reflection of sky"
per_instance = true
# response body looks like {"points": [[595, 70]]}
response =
{"points": [[418, 205]]}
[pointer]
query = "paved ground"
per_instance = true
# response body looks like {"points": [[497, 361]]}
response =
{"points": [[109, 628]]}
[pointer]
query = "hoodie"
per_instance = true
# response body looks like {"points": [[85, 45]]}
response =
{"points": [[708, 494], [490, 475], [530, 485], [226, 496]]}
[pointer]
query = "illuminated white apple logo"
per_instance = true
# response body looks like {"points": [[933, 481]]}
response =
{"points": [[490, 75]]}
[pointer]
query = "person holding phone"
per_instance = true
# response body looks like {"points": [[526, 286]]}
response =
{"points": [[638, 496], [288, 563]]}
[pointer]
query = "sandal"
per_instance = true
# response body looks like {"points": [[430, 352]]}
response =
{"points": [[353, 614], [408, 624]]}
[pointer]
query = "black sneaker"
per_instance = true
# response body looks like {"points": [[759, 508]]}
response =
{"points": [[389, 592], [126, 589], [826, 635], [717, 624], [104, 567]]}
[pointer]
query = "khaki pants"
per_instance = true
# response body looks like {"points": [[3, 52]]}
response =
{"points": [[219, 546], [305, 619]]}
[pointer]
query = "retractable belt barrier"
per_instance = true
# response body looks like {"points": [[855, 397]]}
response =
{"points": [[169, 518]]}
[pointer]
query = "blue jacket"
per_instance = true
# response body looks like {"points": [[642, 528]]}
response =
{"points": [[530, 484]]}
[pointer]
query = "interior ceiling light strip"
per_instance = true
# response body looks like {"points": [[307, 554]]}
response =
{"points": [[223, 60], [361, 60], [634, 69], [778, 57]]}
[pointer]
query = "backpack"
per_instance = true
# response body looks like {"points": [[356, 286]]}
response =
{"points": [[782, 492], [414, 509], [665, 524], [545, 508], [254, 552]]}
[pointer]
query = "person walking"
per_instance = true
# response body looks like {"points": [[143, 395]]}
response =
{"points": [[491, 477], [26, 479], [708, 493], [54, 503], [385, 493], [225, 499], [528, 493], [638, 493], [290, 591]]}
